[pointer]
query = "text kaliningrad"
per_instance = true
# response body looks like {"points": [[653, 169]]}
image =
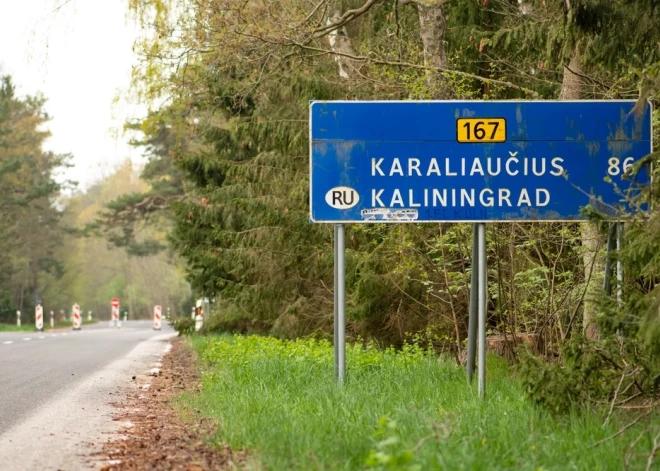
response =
{"points": [[462, 197]]}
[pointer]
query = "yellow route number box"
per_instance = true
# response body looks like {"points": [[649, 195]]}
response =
{"points": [[481, 130]]}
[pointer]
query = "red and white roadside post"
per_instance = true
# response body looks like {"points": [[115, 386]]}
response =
{"points": [[115, 312], [39, 317], [157, 317], [77, 318]]}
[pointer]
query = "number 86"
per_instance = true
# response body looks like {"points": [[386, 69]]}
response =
{"points": [[613, 165]]}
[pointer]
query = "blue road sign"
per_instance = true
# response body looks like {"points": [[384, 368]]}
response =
{"points": [[473, 161]]}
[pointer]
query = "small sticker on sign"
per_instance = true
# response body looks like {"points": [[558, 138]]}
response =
{"points": [[342, 197]]}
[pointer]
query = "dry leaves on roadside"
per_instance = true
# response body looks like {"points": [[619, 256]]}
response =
{"points": [[159, 439]]}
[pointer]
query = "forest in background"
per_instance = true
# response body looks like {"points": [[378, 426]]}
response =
{"points": [[225, 186], [233, 81], [49, 251], [229, 84]]}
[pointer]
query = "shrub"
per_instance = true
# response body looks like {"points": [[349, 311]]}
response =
{"points": [[184, 325]]}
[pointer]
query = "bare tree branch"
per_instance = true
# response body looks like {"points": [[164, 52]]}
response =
{"points": [[416, 66]]}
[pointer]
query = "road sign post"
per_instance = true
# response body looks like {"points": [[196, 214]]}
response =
{"points": [[473, 307], [471, 161], [335, 321]]}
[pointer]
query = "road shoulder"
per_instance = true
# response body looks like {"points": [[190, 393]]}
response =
{"points": [[159, 437], [63, 433]]}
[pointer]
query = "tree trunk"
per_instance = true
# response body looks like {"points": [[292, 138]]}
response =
{"points": [[432, 29], [340, 42], [572, 89]]}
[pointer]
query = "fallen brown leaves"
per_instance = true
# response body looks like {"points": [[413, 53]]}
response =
{"points": [[159, 438]]}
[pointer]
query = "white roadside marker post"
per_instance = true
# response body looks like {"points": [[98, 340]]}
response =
{"points": [[77, 318], [89, 315], [125, 316], [18, 318], [52, 319], [157, 316], [39, 318]]}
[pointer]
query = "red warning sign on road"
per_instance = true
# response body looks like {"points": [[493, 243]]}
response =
{"points": [[39, 317], [77, 319], [157, 317], [115, 310]]}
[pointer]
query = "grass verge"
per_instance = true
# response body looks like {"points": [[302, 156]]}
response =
{"points": [[31, 327], [16, 328], [398, 410]]}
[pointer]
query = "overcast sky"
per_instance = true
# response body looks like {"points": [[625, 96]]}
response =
{"points": [[80, 58]]}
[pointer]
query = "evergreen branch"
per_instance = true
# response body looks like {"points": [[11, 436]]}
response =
{"points": [[446, 317]]}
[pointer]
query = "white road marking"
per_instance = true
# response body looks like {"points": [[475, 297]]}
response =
{"points": [[42, 336], [27, 338], [64, 334], [8, 342]]}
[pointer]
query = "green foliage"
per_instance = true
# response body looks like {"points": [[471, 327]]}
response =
{"points": [[279, 400], [183, 325], [616, 368], [387, 454], [31, 229], [95, 271], [233, 142]]}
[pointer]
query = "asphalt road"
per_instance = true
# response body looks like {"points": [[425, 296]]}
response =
{"points": [[64, 367]]}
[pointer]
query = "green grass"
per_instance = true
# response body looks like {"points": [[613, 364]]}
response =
{"points": [[16, 328], [398, 410], [31, 328]]}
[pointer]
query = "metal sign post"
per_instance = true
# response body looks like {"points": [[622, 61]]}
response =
{"points": [[478, 297], [335, 320], [340, 289], [469, 161], [474, 300], [619, 266], [483, 289]]}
